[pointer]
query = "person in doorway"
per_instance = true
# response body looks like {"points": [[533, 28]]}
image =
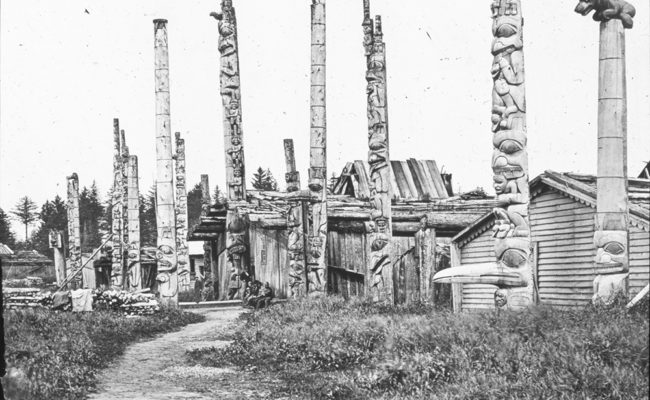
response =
{"points": [[234, 285], [198, 289], [265, 297]]}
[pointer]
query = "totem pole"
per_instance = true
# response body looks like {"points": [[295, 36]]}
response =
{"points": [[74, 231], [512, 273], [612, 215], [380, 272], [231, 99], [236, 224], [207, 247], [124, 149], [56, 244], [296, 242], [117, 210], [181, 216], [317, 238], [166, 253], [133, 267]]}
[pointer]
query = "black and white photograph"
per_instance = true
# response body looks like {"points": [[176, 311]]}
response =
{"points": [[208, 200]]}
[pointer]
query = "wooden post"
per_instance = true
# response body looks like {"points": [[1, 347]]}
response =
{"points": [[380, 268], [117, 210], [292, 177], [124, 150], [456, 288], [166, 253], [74, 231], [231, 99], [134, 268], [612, 215], [207, 245], [296, 240], [56, 244], [181, 216], [317, 240], [425, 247], [510, 156]]}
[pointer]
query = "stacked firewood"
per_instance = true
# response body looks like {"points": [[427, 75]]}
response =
{"points": [[24, 297], [130, 303]]}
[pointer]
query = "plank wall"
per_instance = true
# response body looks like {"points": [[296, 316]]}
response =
{"points": [[346, 261], [475, 296], [269, 256]]}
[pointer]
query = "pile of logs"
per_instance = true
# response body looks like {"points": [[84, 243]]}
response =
{"points": [[24, 297], [129, 303]]}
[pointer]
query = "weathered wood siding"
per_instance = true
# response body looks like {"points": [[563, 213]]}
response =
{"points": [[639, 259], [480, 250], [405, 278], [269, 256], [564, 230], [346, 262]]}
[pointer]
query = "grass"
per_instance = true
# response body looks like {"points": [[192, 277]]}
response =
{"points": [[332, 349], [56, 355]]}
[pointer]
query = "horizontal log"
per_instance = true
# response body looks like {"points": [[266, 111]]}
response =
{"points": [[346, 226]]}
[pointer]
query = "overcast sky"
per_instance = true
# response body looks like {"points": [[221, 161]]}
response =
{"points": [[65, 74]]}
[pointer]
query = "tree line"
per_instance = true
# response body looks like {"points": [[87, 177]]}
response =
{"points": [[95, 216]]}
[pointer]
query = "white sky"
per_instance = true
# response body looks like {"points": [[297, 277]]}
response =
{"points": [[66, 74]]}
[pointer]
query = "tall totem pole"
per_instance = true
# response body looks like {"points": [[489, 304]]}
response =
{"points": [[612, 213], [380, 272], [133, 267], [181, 216], [296, 240], [117, 210], [317, 239], [512, 272], [236, 224], [74, 231], [207, 246], [165, 219]]}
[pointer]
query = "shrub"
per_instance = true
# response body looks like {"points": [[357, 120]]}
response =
{"points": [[55, 355], [417, 351]]}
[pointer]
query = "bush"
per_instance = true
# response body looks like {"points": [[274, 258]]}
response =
{"points": [[55, 355], [363, 350]]}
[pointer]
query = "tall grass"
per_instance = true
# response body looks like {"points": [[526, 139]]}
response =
{"points": [[357, 350], [53, 355]]}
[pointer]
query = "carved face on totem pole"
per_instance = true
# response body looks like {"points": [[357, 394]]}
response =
{"points": [[608, 9], [611, 256]]}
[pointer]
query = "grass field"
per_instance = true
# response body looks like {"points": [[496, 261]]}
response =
{"points": [[332, 349], [55, 355]]}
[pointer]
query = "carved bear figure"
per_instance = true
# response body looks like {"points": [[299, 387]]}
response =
{"points": [[608, 9]]}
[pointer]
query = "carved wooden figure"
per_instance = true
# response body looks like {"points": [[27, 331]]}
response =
{"points": [[117, 210], [512, 273], [181, 216], [74, 231], [56, 244], [166, 253], [124, 151], [296, 240], [133, 267], [292, 177], [207, 247], [612, 215], [231, 99], [317, 239], [380, 277]]}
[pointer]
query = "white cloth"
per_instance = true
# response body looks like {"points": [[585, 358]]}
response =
{"points": [[82, 300]]}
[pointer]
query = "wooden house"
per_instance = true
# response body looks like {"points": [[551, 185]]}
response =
{"points": [[562, 210], [420, 190]]}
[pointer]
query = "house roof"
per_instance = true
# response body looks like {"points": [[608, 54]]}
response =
{"points": [[579, 187], [411, 180], [5, 250], [26, 257]]}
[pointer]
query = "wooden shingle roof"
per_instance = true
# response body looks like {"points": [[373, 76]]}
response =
{"points": [[411, 180]]}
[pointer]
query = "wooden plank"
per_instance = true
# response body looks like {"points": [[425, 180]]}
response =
{"points": [[568, 261], [548, 201], [409, 180], [283, 262], [552, 207], [400, 180], [562, 284], [456, 288], [437, 179], [539, 214], [419, 185], [397, 194], [568, 253], [562, 225], [562, 218], [425, 177], [580, 231], [565, 278], [362, 174]]}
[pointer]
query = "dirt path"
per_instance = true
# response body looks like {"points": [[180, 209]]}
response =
{"points": [[155, 369]]}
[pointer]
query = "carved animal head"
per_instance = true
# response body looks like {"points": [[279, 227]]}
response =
{"points": [[611, 255], [584, 7]]}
